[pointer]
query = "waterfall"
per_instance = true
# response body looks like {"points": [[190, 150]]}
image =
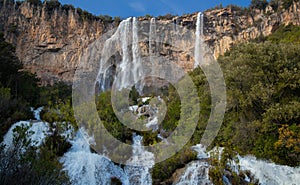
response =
{"points": [[128, 65], [270, 173], [37, 112], [85, 167], [196, 173], [153, 46], [140, 174], [37, 130], [266, 172], [137, 69], [199, 52], [125, 66], [152, 38]]}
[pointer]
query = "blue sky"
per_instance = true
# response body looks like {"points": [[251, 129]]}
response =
{"points": [[127, 8]]}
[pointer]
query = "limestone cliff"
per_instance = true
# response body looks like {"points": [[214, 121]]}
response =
{"points": [[228, 26], [50, 40]]}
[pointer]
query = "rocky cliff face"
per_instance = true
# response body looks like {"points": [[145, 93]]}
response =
{"points": [[49, 41], [228, 26]]}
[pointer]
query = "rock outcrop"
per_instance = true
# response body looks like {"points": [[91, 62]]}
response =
{"points": [[50, 40], [228, 26]]}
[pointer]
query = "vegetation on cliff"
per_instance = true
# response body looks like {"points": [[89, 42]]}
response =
{"points": [[263, 98], [262, 116], [19, 91]]}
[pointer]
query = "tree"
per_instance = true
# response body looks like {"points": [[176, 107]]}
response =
{"points": [[35, 2], [259, 4], [22, 164], [263, 94]]}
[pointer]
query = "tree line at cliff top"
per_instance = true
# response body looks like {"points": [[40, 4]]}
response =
{"points": [[85, 15]]}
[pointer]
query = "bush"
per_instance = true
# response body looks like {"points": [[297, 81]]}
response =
{"points": [[106, 18], [22, 164], [262, 95], [259, 4], [35, 2], [275, 4], [68, 7], [52, 4], [286, 34], [286, 4], [167, 16]]}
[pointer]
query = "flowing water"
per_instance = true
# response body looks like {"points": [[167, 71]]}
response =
{"points": [[269, 173], [140, 174], [128, 64], [37, 130], [86, 167], [199, 59], [196, 173]]}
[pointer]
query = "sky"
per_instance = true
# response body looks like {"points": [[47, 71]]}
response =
{"points": [[129, 8]]}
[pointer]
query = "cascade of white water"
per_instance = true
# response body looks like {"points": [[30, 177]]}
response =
{"points": [[196, 173], [136, 56], [270, 173], [85, 167], [199, 59], [37, 112], [118, 40], [37, 130], [140, 174], [126, 64], [128, 67], [152, 38], [153, 46]]}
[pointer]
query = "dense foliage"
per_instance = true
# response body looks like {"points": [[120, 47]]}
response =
{"points": [[18, 91], [22, 164], [263, 83]]}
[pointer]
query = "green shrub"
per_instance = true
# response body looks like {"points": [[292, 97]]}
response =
{"points": [[35, 2], [106, 18], [52, 4], [259, 4], [262, 87], [286, 4]]}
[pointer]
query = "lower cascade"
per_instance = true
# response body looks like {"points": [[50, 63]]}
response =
{"points": [[270, 173], [196, 173], [86, 167]]}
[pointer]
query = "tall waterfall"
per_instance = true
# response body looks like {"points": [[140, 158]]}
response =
{"points": [[199, 52], [137, 69], [127, 62]]}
